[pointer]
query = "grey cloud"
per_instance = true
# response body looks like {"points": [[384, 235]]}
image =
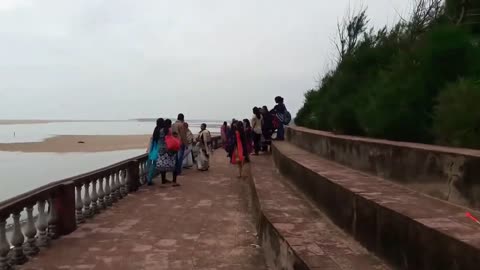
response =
{"points": [[123, 59]]}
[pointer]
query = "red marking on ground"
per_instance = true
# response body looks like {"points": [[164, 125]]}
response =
{"points": [[472, 217]]}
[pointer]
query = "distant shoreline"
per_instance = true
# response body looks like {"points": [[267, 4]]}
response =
{"points": [[19, 122], [71, 143], [34, 121]]}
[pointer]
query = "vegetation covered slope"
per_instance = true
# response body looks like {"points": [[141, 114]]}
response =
{"points": [[418, 81]]}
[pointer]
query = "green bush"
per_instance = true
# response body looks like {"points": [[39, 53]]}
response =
{"points": [[457, 117], [403, 95], [388, 84]]}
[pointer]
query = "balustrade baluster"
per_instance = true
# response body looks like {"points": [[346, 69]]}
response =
{"points": [[52, 220], [140, 173], [4, 246], [108, 195], [125, 183], [18, 257], [121, 183], [42, 225], [94, 209], [143, 175], [114, 187], [79, 205], [87, 201], [119, 187], [101, 195], [30, 232], [145, 171], [116, 195]]}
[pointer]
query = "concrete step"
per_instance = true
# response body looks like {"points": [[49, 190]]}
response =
{"points": [[406, 228], [294, 233]]}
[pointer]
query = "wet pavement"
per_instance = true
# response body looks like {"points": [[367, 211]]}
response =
{"points": [[204, 224]]}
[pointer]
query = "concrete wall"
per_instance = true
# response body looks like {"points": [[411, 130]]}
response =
{"points": [[277, 251], [450, 174], [401, 234]]}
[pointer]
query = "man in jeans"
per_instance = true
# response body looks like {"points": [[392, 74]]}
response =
{"points": [[180, 129]]}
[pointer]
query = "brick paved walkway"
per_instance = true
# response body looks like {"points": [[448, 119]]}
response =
{"points": [[204, 224]]}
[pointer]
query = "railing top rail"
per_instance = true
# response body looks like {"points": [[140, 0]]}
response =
{"points": [[105, 171], [44, 192]]}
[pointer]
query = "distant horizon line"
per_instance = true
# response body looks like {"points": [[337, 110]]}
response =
{"points": [[97, 120], [9, 122]]}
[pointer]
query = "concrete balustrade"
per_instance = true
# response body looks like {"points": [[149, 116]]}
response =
{"points": [[31, 221], [40, 216]]}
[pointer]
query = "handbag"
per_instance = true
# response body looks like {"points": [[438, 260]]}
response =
{"points": [[172, 143]]}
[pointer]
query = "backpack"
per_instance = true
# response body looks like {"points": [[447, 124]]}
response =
{"points": [[287, 118]]}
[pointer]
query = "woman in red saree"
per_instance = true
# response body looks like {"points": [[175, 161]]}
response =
{"points": [[239, 151]]}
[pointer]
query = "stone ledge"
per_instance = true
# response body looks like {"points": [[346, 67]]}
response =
{"points": [[406, 228], [293, 233], [450, 174]]}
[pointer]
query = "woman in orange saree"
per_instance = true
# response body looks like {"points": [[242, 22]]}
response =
{"points": [[238, 154]]}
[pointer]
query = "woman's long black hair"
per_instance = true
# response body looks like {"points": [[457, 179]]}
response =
{"points": [[156, 131], [257, 112], [246, 123], [167, 125]]}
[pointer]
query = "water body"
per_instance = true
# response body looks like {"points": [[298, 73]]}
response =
{"points": [[19, 133], [21, 172]]}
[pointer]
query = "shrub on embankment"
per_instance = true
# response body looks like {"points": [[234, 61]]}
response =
{"points": [[418, 81]]}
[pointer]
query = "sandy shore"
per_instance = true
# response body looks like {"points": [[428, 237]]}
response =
{"points": [[70, 143]]}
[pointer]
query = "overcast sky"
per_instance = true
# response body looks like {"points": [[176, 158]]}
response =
{"points": [[120, 59]]}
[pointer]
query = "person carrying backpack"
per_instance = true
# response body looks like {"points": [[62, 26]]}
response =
{"points": [[283, 117]]}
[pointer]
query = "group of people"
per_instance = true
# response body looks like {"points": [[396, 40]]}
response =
{"points": [[173, 146], [243, 138]]}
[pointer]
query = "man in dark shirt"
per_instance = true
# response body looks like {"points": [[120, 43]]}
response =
{"points": [[279, 111], [181, 131]]}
